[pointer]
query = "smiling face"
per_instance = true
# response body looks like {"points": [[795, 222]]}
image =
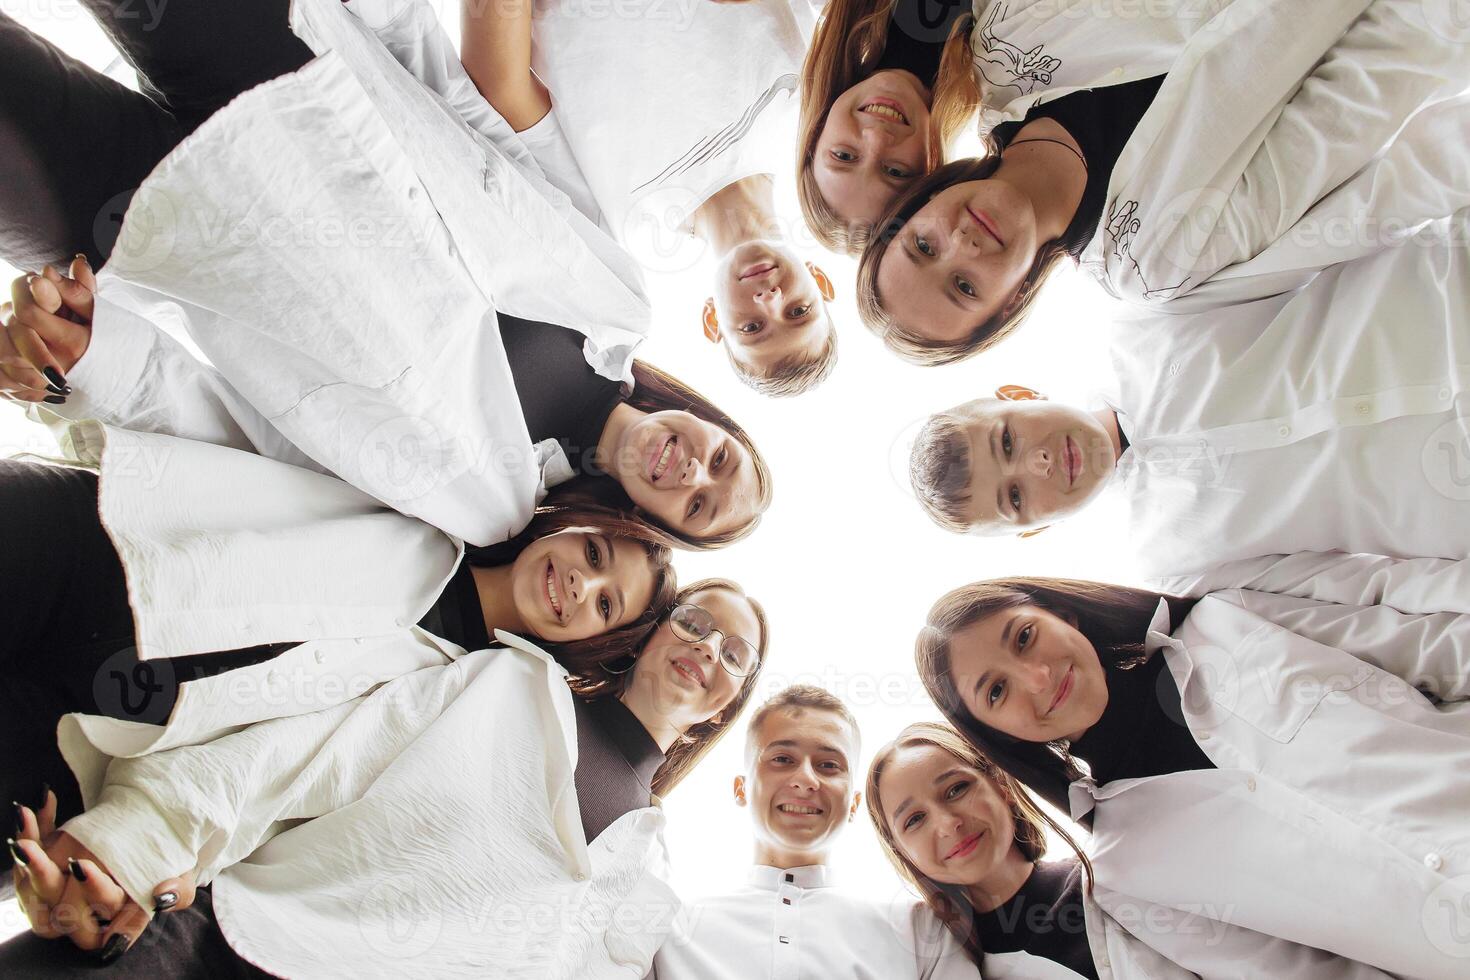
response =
{"points": [[1033, 462], [770, 305], [691, 475], [800, 787], [960, 260], [874, 143], [685, 682], [948, 819], [574, 585], [1029, 673]]}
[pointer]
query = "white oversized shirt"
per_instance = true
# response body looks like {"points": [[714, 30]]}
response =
{"points": [[1336, 418], [1262, 146], [792, 924], [430, 828], [337, 242]]}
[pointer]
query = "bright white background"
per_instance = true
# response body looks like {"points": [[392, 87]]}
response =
{"points": [[845, 562]]}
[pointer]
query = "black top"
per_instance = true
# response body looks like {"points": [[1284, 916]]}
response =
{"points": [[1044, 918], [1101, 120], [916, 35], [456, 615], [1142, 730], [616, 760], [561, 396]]}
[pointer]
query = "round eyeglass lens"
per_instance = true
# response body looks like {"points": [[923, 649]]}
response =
{"points": [[691, 623]]}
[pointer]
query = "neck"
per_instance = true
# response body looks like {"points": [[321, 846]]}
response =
{"points": [[771, 855], [1109, 420], [1001, 885], [622, 417], [497, 604], [1051, 176], [641, 702], [741, 212]]}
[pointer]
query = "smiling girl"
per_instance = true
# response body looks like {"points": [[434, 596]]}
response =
{"points": [[1221, 748]]}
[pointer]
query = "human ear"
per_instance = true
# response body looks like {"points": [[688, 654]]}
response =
{"points": [[1018, 393], [711, 322], [1033, 532], [824, 285], [740, 791], [857, 799]]}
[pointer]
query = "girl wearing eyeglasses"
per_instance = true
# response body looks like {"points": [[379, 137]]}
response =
{"points": [[492, 815]]}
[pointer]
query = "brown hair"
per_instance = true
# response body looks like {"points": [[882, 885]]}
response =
{"points": [[697, 742], [940, 468], [845, 48], [1114, 619], [656, 391], [902, 340], [805, 696], [794, 375], [587, 656], [950, 903]]}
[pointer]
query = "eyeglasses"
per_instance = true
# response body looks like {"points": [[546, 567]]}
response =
{"points": [[692, 624]]}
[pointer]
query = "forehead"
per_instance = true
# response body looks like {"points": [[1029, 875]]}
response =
{"points": [[812, 729], [732, 613], [741, 493], [916, 295], [911, 773], [984, 509]]}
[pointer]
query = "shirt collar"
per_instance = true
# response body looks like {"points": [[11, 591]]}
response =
{"points": [[770, 879]]}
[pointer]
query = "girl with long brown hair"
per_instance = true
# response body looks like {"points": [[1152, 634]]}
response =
{"points": [[885, 88], [1220, 748]]}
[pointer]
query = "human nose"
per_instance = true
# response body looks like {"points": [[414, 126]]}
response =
{"points": [[1037, 678], [768, 295], [805, 776], [582, 584], [1043, 461], [694, 473]]}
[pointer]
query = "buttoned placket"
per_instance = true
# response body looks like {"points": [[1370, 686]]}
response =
{"points": [[786, 929]]}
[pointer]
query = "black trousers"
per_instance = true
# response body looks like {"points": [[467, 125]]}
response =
{"points": [[67, 642], [178, 945], [75, 145]]}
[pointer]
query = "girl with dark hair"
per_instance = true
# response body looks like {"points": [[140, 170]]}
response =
{"points": [[455, 356], [510, 809], [1166, 154], [1293, 767], [885, 88]]}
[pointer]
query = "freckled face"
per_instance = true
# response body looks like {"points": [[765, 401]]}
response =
{"points": [[874, 143], [949, 820], [1029, 673]]}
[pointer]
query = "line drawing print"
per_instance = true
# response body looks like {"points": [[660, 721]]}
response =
{"points": [[1123, 225], [1004, 65]]}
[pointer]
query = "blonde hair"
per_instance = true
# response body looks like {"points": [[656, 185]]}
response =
{"points": [[845, 49], [800, 696], [940, 466], [903, 340], [950, 903], [794, 375]]}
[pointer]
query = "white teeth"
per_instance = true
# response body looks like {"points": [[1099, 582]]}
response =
{"points": [[551, 590], [794, 808], [887, 112], [663, 459]]}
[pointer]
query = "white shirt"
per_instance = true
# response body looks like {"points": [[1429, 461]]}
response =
{"points": [[791, 924], [430, 828], [1336, 817], [1336, 418], [336, 242], [1262, 141], [665, 103]]}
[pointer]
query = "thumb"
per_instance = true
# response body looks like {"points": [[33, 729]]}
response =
{"points": [[81, 271], [174, 894], [77, 296]]}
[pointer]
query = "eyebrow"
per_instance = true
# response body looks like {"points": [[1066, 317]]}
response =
{"points": [[906, 804]]}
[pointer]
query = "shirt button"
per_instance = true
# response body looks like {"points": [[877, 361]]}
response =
{"points": [[1444, 394], [580, 876], [1204, 736], [1284, 431], [1250, 783], [1433, 862], [1362, 408]]}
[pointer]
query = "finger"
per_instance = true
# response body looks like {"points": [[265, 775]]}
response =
{"points": [[27, 827], [103, 896], [126, 927], [72, 916], [37, 912], [47, 880], [174, 895], [81, 271], [76, 298], [33, 349], [47, 816], [44, 291]]}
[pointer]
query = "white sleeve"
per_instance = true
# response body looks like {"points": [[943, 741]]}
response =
{"points": [[135, 376], [1409, 585], [547, 142]]}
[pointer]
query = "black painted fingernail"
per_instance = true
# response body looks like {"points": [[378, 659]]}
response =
{"points": [[115, 947], [166, 901], [45, 795], [53, 389], [20, 819], [17, 853], [55, 399], [54, 376], [77, 871]]}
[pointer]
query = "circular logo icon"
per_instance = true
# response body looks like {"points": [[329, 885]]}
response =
{"points": [[132, 689], [395, 921], [140, 227], [1446, 917], [403, 459], [1450, 19], [1445, 459]]}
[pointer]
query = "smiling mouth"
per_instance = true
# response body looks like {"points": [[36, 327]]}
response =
{"points": [[800, 809], [553, 598], [689, 669], [759, 269], [884, 109], [1063, 689], [660, 464], [1073, 457], [987, 223], [965, 847]]}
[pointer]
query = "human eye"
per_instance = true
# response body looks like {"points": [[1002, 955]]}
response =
{"points": [[1023, 637], [963, 285], [753, 327], [1006, 443], [797, 312], [994, 695], [605, 604], [957, 790], [922, 245], [695, 506], [1016, 498], [844, 155], [781, 760], [832, 764], [720, 457], [913, 819], [897, 173], [594, 554]]}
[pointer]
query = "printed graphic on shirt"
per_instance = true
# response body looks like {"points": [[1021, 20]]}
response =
{"points": [[1123, 225], [717, 144], [1006, 69]]}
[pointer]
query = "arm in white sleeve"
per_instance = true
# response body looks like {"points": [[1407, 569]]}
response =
{"points": [[135, 376], [1410, 585]]}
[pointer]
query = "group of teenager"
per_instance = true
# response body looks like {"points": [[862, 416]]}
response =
{"points": [[349, 640]]}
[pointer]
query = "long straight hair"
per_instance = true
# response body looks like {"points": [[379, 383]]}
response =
{"points": [[876, 311], [846, 45], [585, 657], [700, 739], [656, 391], [951, 903], [1114, 619]]}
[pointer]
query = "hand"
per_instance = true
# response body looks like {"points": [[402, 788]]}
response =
{"points": [[48, 325], [66, 891]]}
